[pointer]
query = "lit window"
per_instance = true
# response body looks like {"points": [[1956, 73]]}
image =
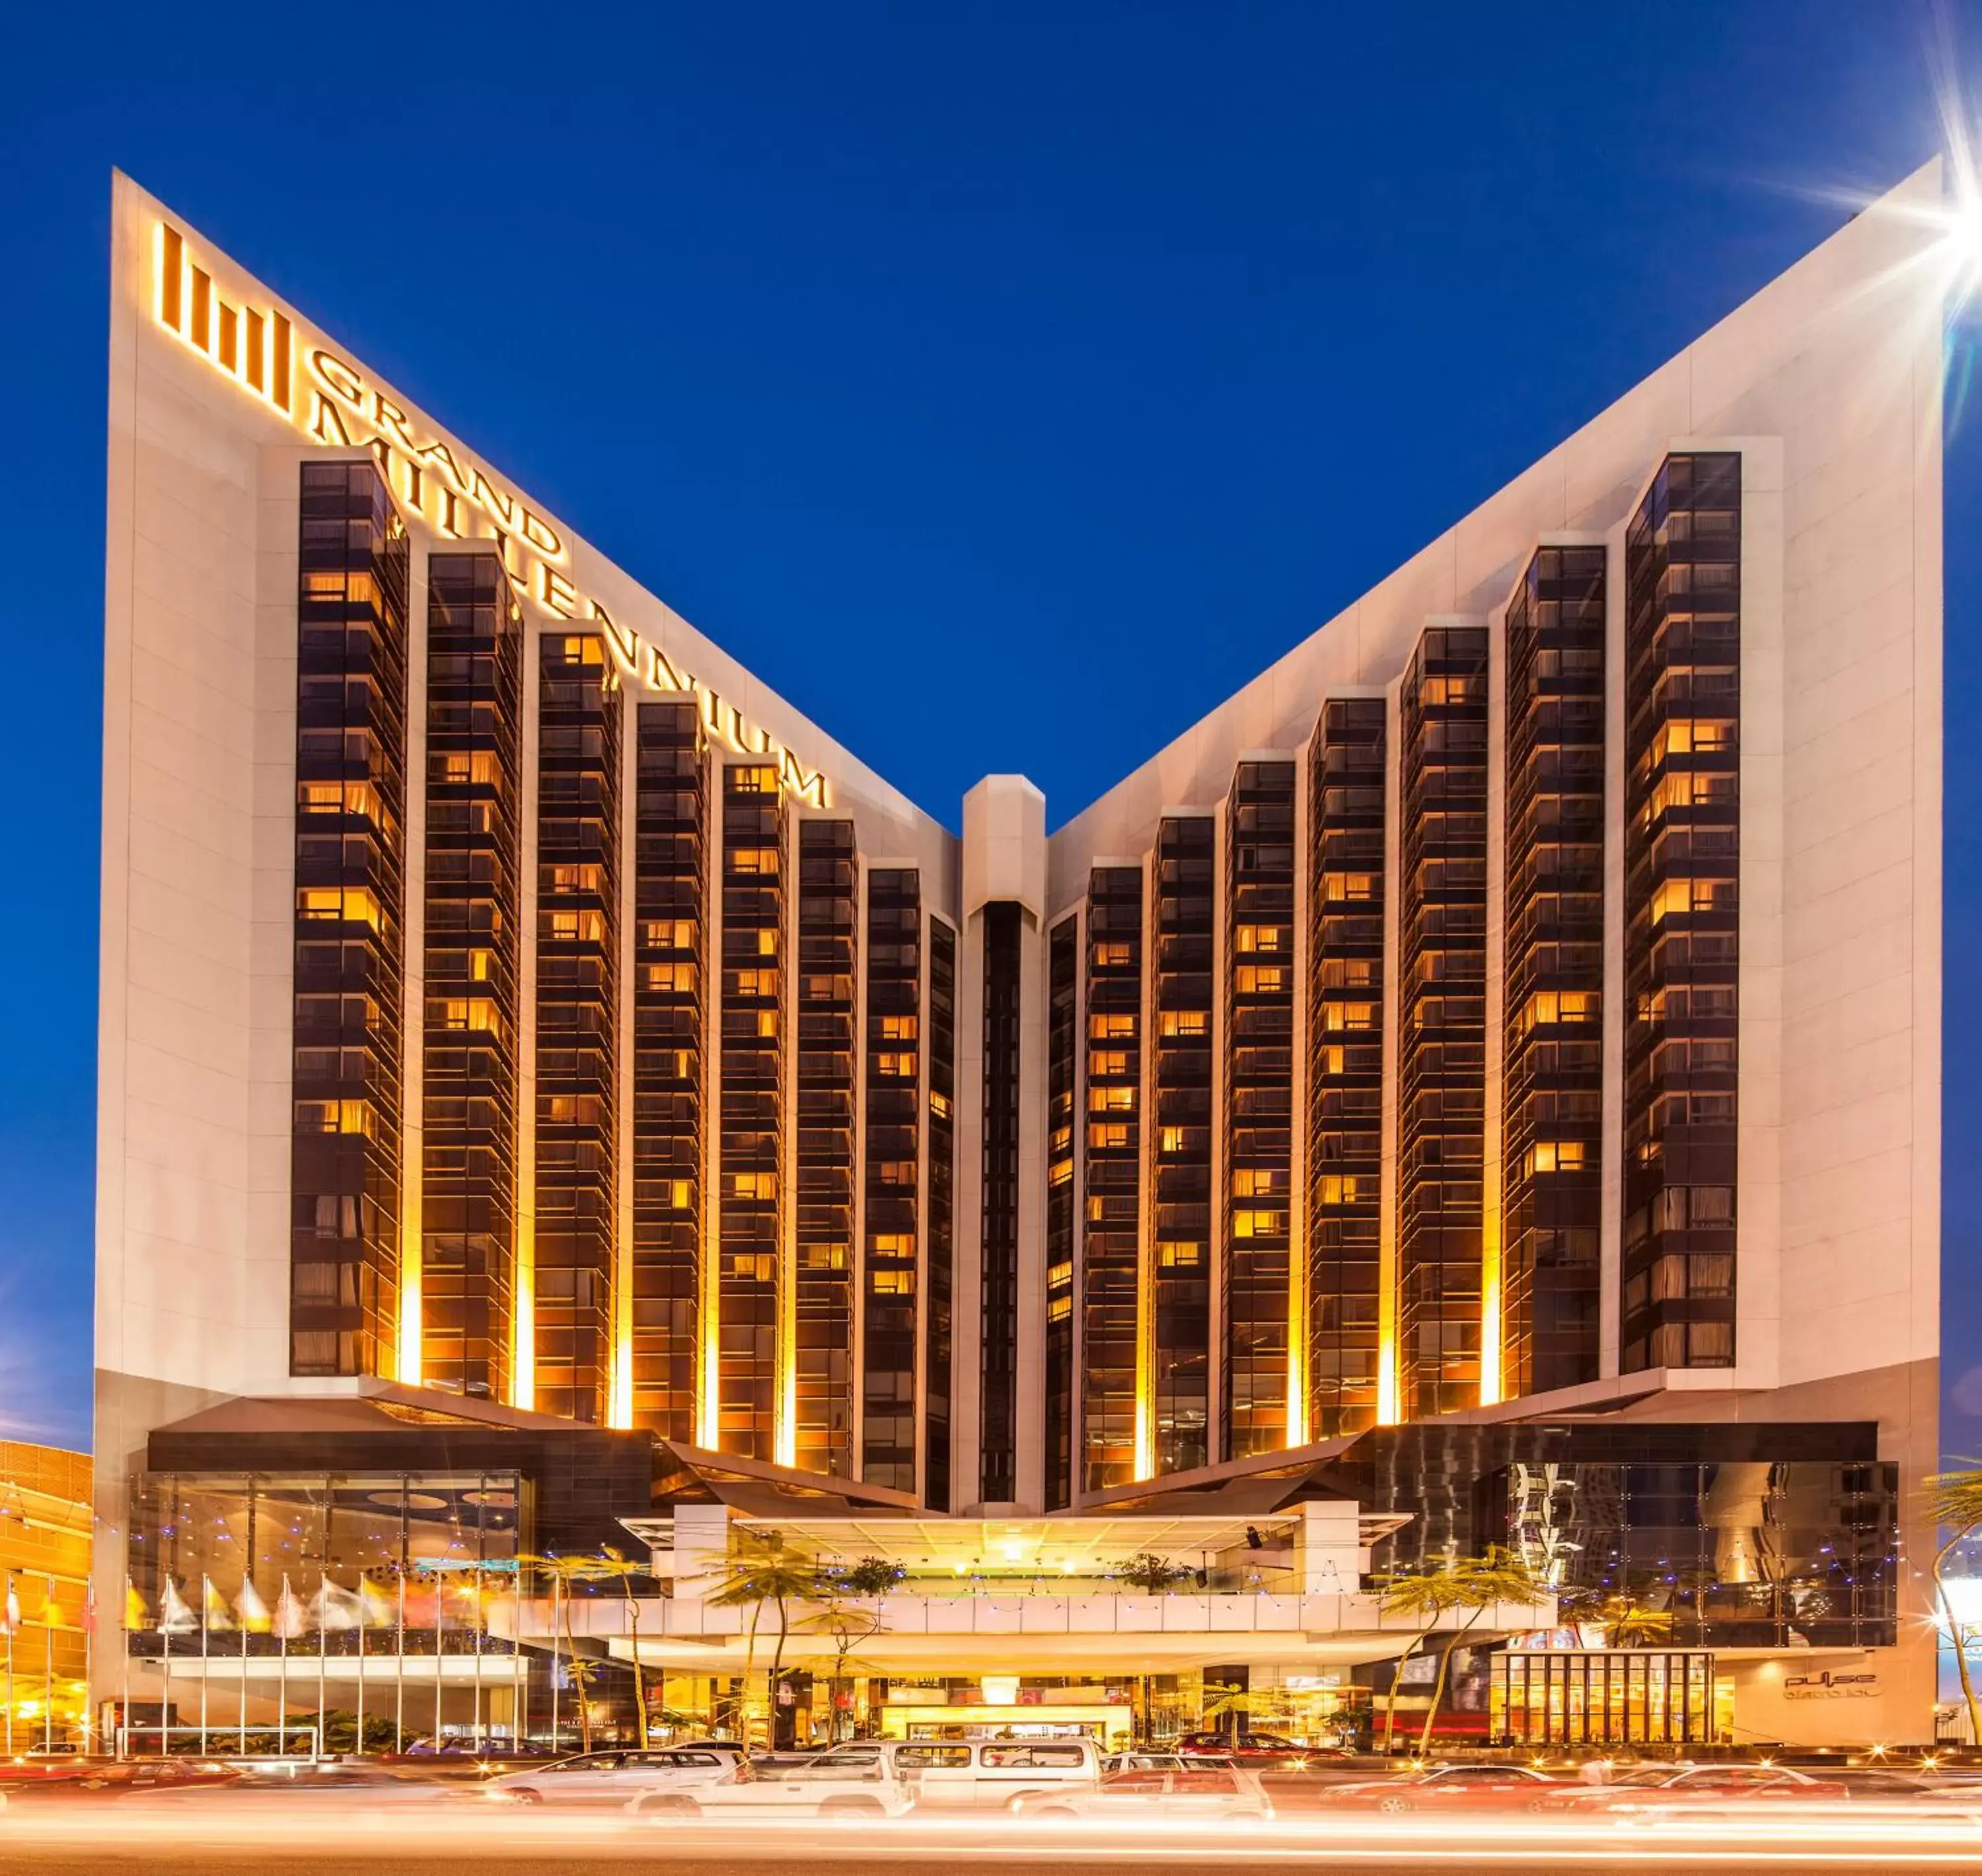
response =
{"points": [[1258, 1224], [1263, 938], [677, 977], [1111, 1100], [1186, 1022], [1102, 1135], [753, 860], [896, 1064], [1556, 1156], [1109, 1027], [891, 1244], [1259, 980], [750, 1185], [938, 1104], [892, 1282], [335, 1117], [826, 1257], [898, 1029], [1258, 1182], [681, 1195], [1113, 956], [1059, 1308], [1180, 1256], [346, 904], [1108, 1061]]}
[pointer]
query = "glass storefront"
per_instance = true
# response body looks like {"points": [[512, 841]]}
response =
{"points": [[1607, 1697], [301, 1610]]}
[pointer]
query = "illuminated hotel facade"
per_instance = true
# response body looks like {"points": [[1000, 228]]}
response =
{"points": [[1519, 1006]]}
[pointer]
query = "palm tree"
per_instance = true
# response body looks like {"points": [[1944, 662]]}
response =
{"points": [[566, 1572], [1627, 1622], [762, 1569], [846, 1627], [613, 1566], [1468, 1583], [1956, 1501]]}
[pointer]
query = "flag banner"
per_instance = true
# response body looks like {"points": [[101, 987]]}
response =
{"points": [[291, 1618], [252, 1610], [11, 1624], [135, 1614], [213, 1607], [334, 1607], [175, 1617], [375, 1608]]}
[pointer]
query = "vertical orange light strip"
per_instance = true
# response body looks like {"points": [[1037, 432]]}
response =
{"points": [[1491, 1280], [257, 350], [171, 259], [280, 347], [523, 1322], [201, 333], [410, 1351]]}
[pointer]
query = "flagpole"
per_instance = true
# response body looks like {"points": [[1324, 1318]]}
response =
{"points": [[165, 1643], [205, 1615], [322, 1594], [363, 1615], [440, 1639], [123, 1730], [481, 1633], [557, 1660], [7, 1622], [48, 1667], [241, 1709], [282, 1670], [519, 1684], [399, 1636]]}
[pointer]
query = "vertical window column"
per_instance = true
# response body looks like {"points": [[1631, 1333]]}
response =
{"points": [[891, 1263], [1346, 1069], [1179, 1140], [1553, 1074], [578, 1024], [1682, 923], [1259, 1084], [939, 1309], [467, 1219], [998, 1436], [351, 752], [670, 957], [1442, 1059], [1111, 1226], [751, 1158], [827, 943], [1062, 1011]]}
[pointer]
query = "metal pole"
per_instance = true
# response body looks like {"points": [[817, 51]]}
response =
{"points": [[241, 1705], [206, 1603], [165, 1641], [123, 1730], [7, 1622], [322, 1603], [519, 1681], [399, 1667], [363, 1613], [480, 1632], [440, 1641]]}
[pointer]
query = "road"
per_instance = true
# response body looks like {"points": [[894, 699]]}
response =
{"points": [[159, 1840]]}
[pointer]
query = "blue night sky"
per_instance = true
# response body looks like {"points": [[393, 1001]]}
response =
{"points": [[1006, 384]]}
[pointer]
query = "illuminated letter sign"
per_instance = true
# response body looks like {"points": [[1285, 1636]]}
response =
{"points": [[257, 349]]}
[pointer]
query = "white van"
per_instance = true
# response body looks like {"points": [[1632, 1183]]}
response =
{"points": [[995, 1774]]}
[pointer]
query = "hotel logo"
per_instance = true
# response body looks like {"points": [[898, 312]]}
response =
{"points": [[332, 403]]}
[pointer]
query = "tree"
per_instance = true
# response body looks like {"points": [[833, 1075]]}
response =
{"points": [[1627, 1620], [1956, 1500], [1150, 1574], [1470, 1582], [1233, 1704], [873, 1576], [613, 1566], [565, 1573], [846, 1627], [762, 1569]]}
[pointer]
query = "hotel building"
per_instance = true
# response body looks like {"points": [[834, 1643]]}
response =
{"points": [[1479, 1085]]}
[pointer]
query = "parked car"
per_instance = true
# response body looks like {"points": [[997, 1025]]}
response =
{"points": [[1711, 1788], [1139, 1791], [1261, 1751], [1166, 1761], [1447, 1787], [849, 1781], [614, 1777], [994, 1773]]}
